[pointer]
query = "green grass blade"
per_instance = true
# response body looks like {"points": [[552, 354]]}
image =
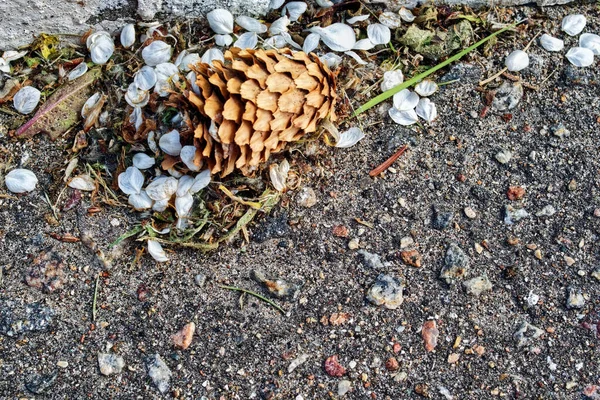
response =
{"points": [[263, 298], [415, 79]]}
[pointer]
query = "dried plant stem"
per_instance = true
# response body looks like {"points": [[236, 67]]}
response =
{"points": [[263, 298], [491, 78], [95, 298], [387, 163]]}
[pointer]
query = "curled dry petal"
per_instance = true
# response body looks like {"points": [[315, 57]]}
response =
{"points": [[12, 55], [338, 36], [143, 161], [573, 24], [102, 49], [390, 19], [184, 185], [590, 41], [95, 37], [128, 35], [170, 143], [580, 57], [358, 18], [145, 78], [162, 188], [201, 181], [406, 14], [83, 182], [135, 96], [20, 180], [295, 9], [140, 201], [89, 104], [517, 60], [279, 25], [223, 40], [156, 251], [157, 52], [427, 110], [251, 24], [426, 88], [311, 43], [137, 117], [188, 154], [78, 71], [551, 43], [350, 137], [278, 174], [220, 21], [356, 57], [405, 100], [212, 54], [93, 113], [131, 181], [26, 99], [247, 40], [363, 44], [404, 118], [379, 34], [391, 79]]}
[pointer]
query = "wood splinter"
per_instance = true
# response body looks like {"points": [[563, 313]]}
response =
{"points": [[387, 163]]}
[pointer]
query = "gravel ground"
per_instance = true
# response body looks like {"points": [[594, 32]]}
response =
{"points": [[448, 191]]}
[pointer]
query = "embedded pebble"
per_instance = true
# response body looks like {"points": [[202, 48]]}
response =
{"points": [[532, 299], [279, 288], [441, 217], [596, 274], [301, 359], [572, 186], [453, 358], [547, 211], [353, 244], [470, 213], [159, 372], [477, 285], [46, 272], [569, 260], [430, 334], [503, 156], [526, 333], [306, 197], [371, 260], [597, 213], [560, 130], [512, 215], [386, 291], [183, 338], [200, 280], [344, 387], [110, 364], [575, 298], [16, 320], [39, 383], [507, 96], [412, 258], [333, 366], [456, 263], [62, 364], [406, 241]]}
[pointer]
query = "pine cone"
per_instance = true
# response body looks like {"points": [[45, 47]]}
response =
{"points": [[255, 103]]}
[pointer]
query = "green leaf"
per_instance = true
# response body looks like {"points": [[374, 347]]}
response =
{"points": [[136, 229], [416, 79]]}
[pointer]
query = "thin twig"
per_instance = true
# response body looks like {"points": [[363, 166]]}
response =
{"points": [[237, 289], [387, 163], [95, 297], [491, 78]]}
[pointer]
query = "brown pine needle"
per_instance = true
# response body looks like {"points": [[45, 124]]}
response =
{"points": [[263, 298], [387, 163]]}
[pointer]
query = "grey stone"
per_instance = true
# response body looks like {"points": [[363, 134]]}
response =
{"points": [[456, 263], [17, 319], [110, 364], [507, 96], [560, 130], [547, 211], [344, 387], [526, 333], [575, 298], [386, 291], [371, 260], [441, 217], [306, 197], [512, 215], [159, 372], [39, 383], [275, 226], [503, 156], [478, 285], [200, 280]]}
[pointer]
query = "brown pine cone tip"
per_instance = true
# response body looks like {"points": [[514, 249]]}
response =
{"points": [[254, 104]]}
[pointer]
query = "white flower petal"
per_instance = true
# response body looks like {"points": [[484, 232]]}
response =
{"points": [[324, 3], [12, 55], [184, 185], [89, 104], [95, 37], [152, 142], [311, 43], [20, 180], [175, 173], [191, 78], [170, 143], [427, 110], [135, 96], [131, 181], [223, 40], [78, 71], [426, 88], [295, 9], [551, 43], [356, 57], [350, 137], [332, 60], [391, 79], [166, 71], [143, 161], [288, 39], [580, 56], [278, 174], [188, 154], [163, 87], [83, 182], [406, 15], [183, 204], [573, 24], [157, 52], [405, 100], [405, 118], [162, 188], [358, 18], [220, 21], [102, 49], [251, 24], [26, 99], [136, 118], [128, 35], [4, 66], [279, 25], [145, 78], [363, 44], [247, 40], [379, 34], [212, 54], [160, 205], [276, 41], [517, 60], [590, 41], [189, 59], [201, 181], [140, 201], [275, 4], [390, 19], [156, 251], [338, 37]]}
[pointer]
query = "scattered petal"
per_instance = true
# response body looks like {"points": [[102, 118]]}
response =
{"points": [[83, 182], [590, 41], [404, 118], [427, 110], [350, 138], [358, 18], [187, 60], [140, 201], [406, 15], [12, 55], [426, 88], [170, 143], [279, 25], [551, 43], [390, 19], [580, 57], [379, 34], [295, 9], [89, 104], [102, 49], [391, 79], [356, 57], [573, 24], [26, 99], [338, 37], [162, 188], [247, 40], [212, 54], [188, 154], [152, 142], [160, 205], [201, 181], [183, 206], [157, 52], [191, 78], [311, 43], [145, 78], [184, 185], [363, 44], [78, 71], [20, 180], [275, 4], [324, 3], [135, 96], [131, 181], [163, 87], [223, 40], [220, 21], [276, 41], [166, 71], [288, 39], [156, 251], [143, 161], [128, 35], [517, 60], [251, 24], [4, 66], [278, 174], [405, 100], [332, 60]]}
